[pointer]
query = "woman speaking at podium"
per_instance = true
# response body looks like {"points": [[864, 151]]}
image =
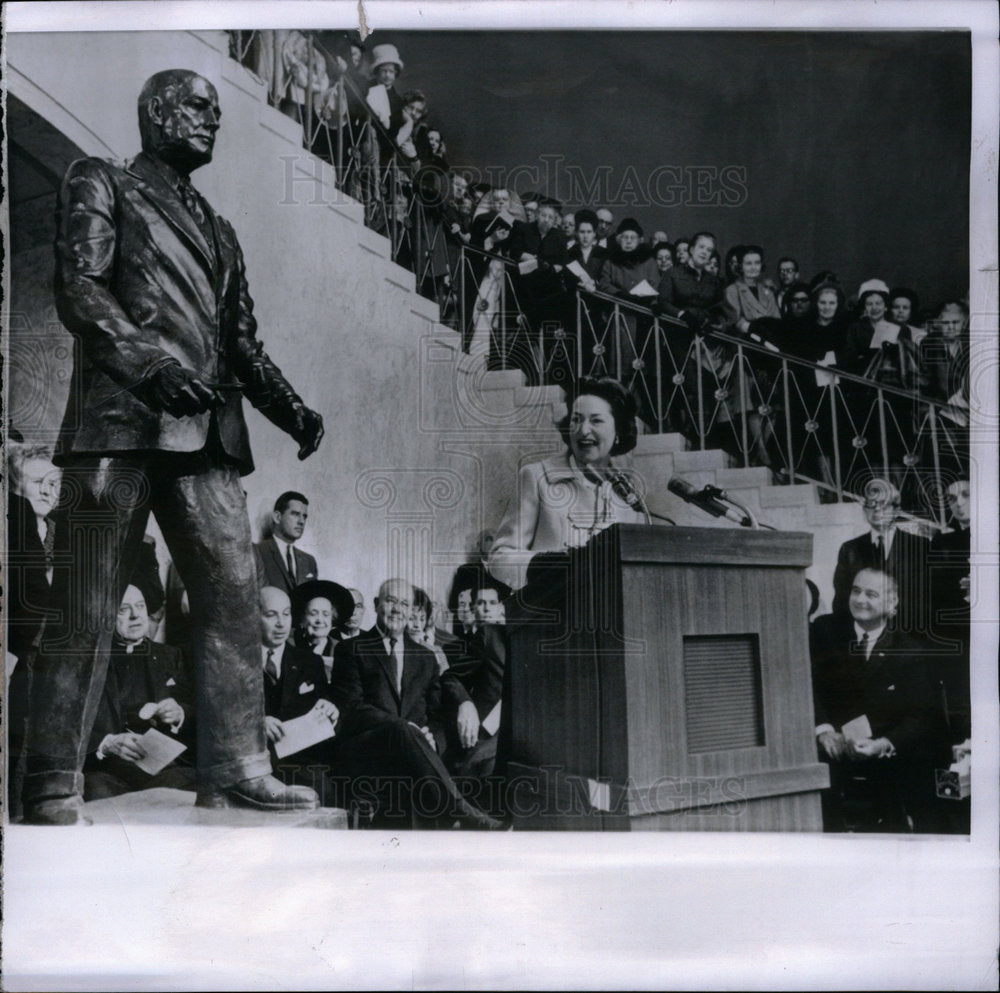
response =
{"points": [[562, 502]]}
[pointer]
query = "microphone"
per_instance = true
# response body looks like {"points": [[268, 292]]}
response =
{"points": [[622, 485], [707, 500]]}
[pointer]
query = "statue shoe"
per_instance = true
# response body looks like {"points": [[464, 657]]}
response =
{"points": [[260, 793], [62, 810]]}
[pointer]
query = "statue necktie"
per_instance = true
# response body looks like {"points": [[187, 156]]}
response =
{"points": [[193, 202]]}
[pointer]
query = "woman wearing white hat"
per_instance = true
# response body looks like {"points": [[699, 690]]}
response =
{"points": [[382, 96]]}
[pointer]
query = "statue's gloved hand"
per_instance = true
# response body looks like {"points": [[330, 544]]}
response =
{"points": [[177, 391], [307, 429]]}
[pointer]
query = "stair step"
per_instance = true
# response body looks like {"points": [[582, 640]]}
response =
{"points": [[421, 306], [660, 444], [743, 477], [801, 494], [700, 461]]}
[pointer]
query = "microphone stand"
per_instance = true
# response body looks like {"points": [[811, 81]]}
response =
{"points": [[755, 525]]}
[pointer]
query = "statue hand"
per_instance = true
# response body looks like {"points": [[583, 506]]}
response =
{"points": [[178, 392], [307, 430]]}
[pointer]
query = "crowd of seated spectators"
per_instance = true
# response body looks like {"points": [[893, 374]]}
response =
{"points": [[527, 283]]}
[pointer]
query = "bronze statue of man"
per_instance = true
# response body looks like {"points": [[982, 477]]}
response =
{"points": [[151, 283]]}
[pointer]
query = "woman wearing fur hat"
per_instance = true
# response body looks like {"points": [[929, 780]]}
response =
{"points": [[629, 264]]}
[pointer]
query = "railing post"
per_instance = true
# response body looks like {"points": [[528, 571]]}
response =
{"points": [[744, 417], [657, 352], [837, 479], [788, 419], [579, 336], [701, 392], [502, 314], [936, 456], [462, 311], [617, 317], [880, 399]]}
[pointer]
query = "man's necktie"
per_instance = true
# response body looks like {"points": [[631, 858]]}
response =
{"points": [[290, 561], [48, 546], [880, 548], [861, 647], [396, 675], [270, 669]]}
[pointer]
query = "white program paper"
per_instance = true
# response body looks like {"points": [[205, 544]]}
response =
{"points": [[160, 751], [303, 732]]}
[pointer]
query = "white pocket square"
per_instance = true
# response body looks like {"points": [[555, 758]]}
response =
{"points": [[891, 687], [307, 688], [171, 681]]}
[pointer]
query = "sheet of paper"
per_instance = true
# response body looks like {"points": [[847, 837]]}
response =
{"points": [[643, 289], [577, 270], [160, 750], [857, 730], [826, 378], [528, 265], [302, 732], [491, 722]]}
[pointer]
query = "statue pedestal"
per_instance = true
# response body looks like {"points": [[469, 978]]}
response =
{"points": [[176, 807]]}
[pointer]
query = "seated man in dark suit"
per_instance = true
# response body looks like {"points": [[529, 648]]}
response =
{"points": [[950, 575], [295, 684], [146, 687], [487, 604], [388, 692], [885, 546], [878, 715], [471, 691], [279, 562]]}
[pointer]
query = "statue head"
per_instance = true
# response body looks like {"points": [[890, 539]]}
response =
{"points": [[178, 117]]}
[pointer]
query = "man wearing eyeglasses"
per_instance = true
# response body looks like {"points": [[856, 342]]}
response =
{"points": [[386, 688], [886, 547]]}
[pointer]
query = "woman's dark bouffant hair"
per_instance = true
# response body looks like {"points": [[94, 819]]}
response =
{"points": [[621, 402]]}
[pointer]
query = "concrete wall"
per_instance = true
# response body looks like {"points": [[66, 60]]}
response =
{"points": [[417, 458]]}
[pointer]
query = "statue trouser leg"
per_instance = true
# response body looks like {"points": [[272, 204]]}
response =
{"points": [[203, 519], [204, 522]]}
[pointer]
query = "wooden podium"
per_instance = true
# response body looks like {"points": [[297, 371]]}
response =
{"points": [[659, 680]]}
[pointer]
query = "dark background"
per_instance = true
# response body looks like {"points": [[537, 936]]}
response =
{"points": [[855, 145]]}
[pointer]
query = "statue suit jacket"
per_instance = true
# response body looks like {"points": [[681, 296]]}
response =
{"points": [[273, 569], [138, 283], [363, 688]]}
